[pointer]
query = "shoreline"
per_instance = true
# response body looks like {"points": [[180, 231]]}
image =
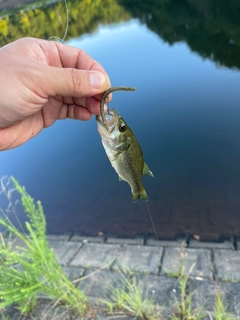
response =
{"points": [[211, 268]]}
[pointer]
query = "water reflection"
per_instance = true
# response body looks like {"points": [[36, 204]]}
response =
{"points": [[210, 28], [186, 117]]}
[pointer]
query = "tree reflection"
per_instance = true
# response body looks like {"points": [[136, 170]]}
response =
{"points": [[50, 21], [209, 27]]}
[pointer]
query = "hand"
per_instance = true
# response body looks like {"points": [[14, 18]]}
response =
{"points": [[42, 81]]}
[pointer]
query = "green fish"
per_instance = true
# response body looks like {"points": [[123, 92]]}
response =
{"points": [[122, 147]]}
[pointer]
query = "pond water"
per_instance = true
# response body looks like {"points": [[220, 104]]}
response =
{"points": [[184, 59]]}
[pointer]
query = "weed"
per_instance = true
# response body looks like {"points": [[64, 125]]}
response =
{"points": [[220, 310], [184, 310], [130, 299], [33, 268]]}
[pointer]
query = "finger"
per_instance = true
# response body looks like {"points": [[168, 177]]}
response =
{"points": [[78, 112], [69, 57], [82, 100], [74, 112], [54, 110], [108, 99], [92, 103], [72, 82]]}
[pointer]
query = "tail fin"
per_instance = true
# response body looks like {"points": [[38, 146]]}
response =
{"points": [[140, 195]]}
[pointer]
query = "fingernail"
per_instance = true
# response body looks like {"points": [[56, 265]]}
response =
{"points": [[109, 81], [97, 79]]}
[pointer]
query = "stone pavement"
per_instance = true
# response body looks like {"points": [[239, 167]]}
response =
{"points": [[212, 268]]}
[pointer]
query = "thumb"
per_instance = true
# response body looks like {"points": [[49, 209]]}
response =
{"points": [[75, 82]]}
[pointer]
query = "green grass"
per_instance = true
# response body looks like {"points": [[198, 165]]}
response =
{"points": [[221, 310], [183, 307], [130, 299], [32, 270]]}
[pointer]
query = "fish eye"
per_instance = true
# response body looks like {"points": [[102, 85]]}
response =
{"points": [[122, 127]]}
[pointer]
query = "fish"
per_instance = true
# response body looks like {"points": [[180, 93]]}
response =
{"points": [[122, 147]]}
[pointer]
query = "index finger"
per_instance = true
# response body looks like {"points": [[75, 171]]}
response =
{"points": [[85, 62], [70, 57]]}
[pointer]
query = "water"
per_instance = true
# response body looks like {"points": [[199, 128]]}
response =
{"points": [[185, 114]]}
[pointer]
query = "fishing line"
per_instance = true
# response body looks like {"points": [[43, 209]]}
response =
{"points": [[66, 28], [56, 38], [150, 216], [67, 21], [63, 41]]}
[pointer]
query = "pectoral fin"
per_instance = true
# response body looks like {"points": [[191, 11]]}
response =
{"points": [[147, 171], [124, 145]]}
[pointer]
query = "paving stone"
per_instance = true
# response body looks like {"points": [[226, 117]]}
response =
{"points": [[62, 237], [78, 238], [99, 285], [197, 262], [162, 290], [227, 265], [47, 310], [104, 316], [166, 243], [73, 273], [43, 305], [231, 292], [94, 255], [10, 313], [119, 316], [64, 250], [137, 241], [211, 245], [204, 295], [139, 259]]}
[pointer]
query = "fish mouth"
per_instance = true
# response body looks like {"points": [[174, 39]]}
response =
{"points": [[110, 121]]}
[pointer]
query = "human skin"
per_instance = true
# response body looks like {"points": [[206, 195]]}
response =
{"points": [[43, 81]]}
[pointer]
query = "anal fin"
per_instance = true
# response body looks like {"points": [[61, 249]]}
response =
{"points": [[147, 171]]}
